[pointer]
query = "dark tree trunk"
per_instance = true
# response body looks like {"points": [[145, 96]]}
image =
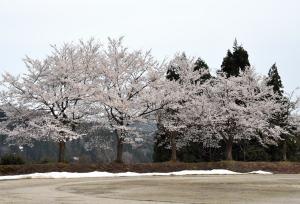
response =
{"points": [[284, 151], [61, 153], [119, 158], [229, 144], [243, 148], [62, 144], [173, 147]]}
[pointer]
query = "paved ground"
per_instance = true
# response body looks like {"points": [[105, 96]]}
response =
{"points": [[173, 189]]}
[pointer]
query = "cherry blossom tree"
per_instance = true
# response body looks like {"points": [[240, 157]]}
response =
{"points": [[48, 101], [286, 118], [179, 96], [237, 108], [126, 90]]}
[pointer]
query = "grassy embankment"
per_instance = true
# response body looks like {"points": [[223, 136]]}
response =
{"points": [[275, 167]]}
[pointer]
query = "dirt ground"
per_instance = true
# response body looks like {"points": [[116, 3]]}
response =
{"points": [[278, 188]]}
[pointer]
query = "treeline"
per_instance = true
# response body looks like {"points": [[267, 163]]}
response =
{"points": [[233, 63], [83, 88]]}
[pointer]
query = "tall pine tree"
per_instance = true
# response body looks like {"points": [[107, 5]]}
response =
{"points": [[235, 61], [275, 80], [280, 118]]}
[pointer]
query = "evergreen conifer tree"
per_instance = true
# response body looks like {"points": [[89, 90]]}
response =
{"points": [[280, 118], [275, 80], [235, 61], [200, 65]]}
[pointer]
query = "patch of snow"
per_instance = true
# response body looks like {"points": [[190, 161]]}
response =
{"points": [[260, 172], [97, 174], [204, 172]]}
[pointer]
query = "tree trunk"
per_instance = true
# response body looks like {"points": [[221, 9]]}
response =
{"points": [[173, 147], [61, 153], [284, 151], [243, 147], [119, 158], [229, 144]]}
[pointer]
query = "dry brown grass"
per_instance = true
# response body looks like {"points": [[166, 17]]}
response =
{"points": [[275, 167]]}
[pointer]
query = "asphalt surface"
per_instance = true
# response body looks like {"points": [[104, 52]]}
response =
{"points": [[278, 188]]}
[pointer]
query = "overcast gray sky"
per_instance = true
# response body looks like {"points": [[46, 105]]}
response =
{"points": [[268, 29]]}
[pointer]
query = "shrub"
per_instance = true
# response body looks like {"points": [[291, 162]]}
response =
{"points": [[9, 159]]}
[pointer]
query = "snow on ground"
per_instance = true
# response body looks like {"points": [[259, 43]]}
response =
{"points": [[95, 174], [260, 172]]}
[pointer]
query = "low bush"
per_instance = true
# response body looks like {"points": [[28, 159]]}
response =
{"points": [[10, 159]]}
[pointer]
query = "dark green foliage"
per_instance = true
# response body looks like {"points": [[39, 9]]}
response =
{"points": [[202, 67], [294, 148], [288, 147], [160, 152], [172, 73], [195, 152], [275, 80], [11, 159], [235, 61], [201, 64], [292, 151], [250, 150], [46, 161]]}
